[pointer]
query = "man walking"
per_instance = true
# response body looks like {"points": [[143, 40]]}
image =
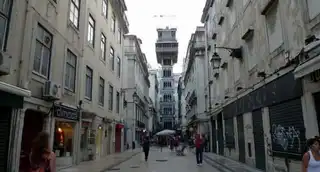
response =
{"points": [[146, 147], [199, 149]]}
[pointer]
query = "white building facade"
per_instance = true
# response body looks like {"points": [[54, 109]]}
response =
{"points": [[194, 83], [47, 48], [135, 90], [153, 124], [255, 86]]}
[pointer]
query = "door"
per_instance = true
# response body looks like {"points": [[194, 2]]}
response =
{"points": [[214, 135], [258, 135], [316, 98], [220, 134], [5, 124], [241, 142], [33, 124], [118, 140], [287, 129], [98, 143]]}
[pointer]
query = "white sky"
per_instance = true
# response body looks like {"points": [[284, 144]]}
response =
{"points": [[185, 15]]}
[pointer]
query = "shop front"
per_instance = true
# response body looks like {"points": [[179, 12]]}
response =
{"points": [[66, 121], [118, 137]]}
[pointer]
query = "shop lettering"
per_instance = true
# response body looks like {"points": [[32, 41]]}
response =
{"points": [[60, 113], [285, 136]]}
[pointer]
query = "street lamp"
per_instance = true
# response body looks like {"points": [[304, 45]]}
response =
{"points": [[216, 60]]}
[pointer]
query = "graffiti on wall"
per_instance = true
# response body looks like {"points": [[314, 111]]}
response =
{"points": [[286, 137]]}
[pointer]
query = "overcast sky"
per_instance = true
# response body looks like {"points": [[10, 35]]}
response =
{"points": [[143, 16]]}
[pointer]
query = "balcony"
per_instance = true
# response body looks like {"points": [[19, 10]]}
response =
{"points": [[199, 45]]}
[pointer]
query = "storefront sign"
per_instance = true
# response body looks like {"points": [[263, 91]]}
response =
{"points": [[64, 112]]}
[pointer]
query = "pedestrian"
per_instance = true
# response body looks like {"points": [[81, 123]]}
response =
{"points": [[42, 159], [146, 147], [199, 149], [311, 158]]}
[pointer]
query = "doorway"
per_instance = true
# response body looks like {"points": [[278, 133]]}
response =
{"points": [[5, 125], [220, 134], [242, 147], [316, 98], [214, 135], [33, 124], [258, 135]]}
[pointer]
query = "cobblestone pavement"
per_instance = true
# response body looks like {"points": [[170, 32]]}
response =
{"points": [[163, 162], [104, 163]]}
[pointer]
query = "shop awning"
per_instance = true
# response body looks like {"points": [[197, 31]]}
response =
{"points": [[12, 95], [119, 126]]}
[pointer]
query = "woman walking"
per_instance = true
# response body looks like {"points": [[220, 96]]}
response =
{"points": [[199, 149], [311, 159], [146, 147], [42, 159]]}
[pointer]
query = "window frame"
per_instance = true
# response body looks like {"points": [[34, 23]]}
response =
{"points": [[110, 98], [106, 5], [101, 91], [112, 54], [93, 27], [69, 65], [5, 13], [43, 45], [77, 7], [117, 102], [88, 69], [113, 22], [119, 36], [118, 67], [103, 50]]}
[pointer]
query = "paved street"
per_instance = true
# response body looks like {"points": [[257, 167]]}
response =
{"points": [[162, 162]]}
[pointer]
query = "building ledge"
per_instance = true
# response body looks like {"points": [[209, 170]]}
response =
{"points": [[14, 90]]}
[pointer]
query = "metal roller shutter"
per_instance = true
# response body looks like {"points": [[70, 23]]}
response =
{"points": [[258, 135], [5, 121], [287, 129]]}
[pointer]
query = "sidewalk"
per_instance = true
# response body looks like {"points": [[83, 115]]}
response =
{"points": [[229, 164], [104, 163]]}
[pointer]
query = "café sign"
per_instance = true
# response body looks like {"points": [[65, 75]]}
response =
{"points": [[64, 112]]}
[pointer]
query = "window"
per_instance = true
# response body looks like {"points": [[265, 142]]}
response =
{"points": [[313, 8], [89, 75], [166, 73], [110, 97], [63, 138], [112, 58], [225, 73], [274, 29], [103, 47], [41, 63], [74, 12], [118, 102], [119, 36], [167, 84], [70, 76], [166, 62], [4, 21], [118, 67], [91, 30], [105, 8], [113, 23], [236, 69], [101, 91]]}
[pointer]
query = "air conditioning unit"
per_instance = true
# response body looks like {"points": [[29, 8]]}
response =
{"points": [[5, 63], [52, 91]]}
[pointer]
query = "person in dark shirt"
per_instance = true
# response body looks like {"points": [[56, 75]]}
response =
{"points": [[146, 147]]}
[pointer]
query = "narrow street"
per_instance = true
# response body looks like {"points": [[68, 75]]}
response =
{"points": [[162, 162]]}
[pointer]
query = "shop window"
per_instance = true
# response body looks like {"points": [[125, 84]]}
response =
{"points": [[63, 139]]}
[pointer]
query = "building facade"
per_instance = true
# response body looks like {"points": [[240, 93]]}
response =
{"points": [[45, 58], [194, 82], [167, 55], [135, 90], [256, 94], [153, 95]]}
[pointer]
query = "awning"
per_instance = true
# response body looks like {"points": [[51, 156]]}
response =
{"points": [[307, 67], [119, 126], [216, 111], [12, 95]]}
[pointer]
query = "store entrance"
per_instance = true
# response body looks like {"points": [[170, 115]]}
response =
{"points": [[33, 124], [63, 143]]}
